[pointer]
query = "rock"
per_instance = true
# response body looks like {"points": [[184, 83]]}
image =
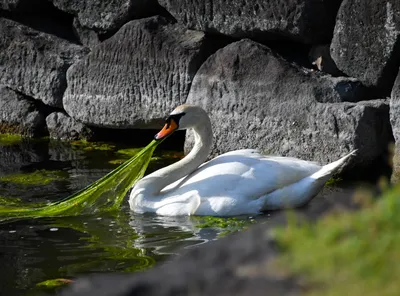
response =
{"points": [[395, 109], [307, 21], [366, 41], [103, 16], [395, 122], [9, 4], [35, 63], [136, 76], [257, 100], [86, 36], [19, 115], [20, 5], [63, 127]]}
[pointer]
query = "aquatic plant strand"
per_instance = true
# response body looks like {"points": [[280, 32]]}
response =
{"points": [[106, 194]]}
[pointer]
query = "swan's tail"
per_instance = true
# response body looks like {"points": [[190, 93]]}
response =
{"points": [[301, 192], [328, 170]]}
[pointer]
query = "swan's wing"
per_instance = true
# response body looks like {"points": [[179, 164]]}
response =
{"points": [[179, 204], [244, 173]]}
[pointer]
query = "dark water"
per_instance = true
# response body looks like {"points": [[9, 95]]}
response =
{"points": [[35, 250]]}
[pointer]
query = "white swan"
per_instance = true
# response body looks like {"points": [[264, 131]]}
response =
{"points": [[234, 183]]}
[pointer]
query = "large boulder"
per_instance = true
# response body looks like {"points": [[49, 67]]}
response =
{"points": [[366, 41], [136, 76], [258, 100], [35, 63], [19, 115], [103, 16], [307, 21]]}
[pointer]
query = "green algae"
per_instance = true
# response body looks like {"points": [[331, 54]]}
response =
{"points": [[92, 146], [346, 253], [10, 139], [230, 224], [39, 177], [54, 283], [106, 194]]}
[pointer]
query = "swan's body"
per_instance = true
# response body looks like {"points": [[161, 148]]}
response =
{"points": [[234, 183]]}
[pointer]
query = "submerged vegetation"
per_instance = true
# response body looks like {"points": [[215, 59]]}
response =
{"points": [[347, 253], [92, 146], [229, 225], [104, 195], [39, 177]]}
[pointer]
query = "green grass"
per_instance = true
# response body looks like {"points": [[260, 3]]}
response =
{"points": [[346, 253]]}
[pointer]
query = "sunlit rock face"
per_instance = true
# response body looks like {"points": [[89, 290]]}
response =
{"points": [[134, 78], [304, 21], [366, 41], [35, 63], [258, 100]]}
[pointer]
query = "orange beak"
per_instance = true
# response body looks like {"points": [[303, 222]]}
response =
{"points": [[167, 130]]}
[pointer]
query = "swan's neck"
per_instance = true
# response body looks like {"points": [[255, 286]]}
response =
{"points": [[158, 180]]}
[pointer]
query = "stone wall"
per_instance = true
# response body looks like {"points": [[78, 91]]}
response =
{"points": [[303, 78]]}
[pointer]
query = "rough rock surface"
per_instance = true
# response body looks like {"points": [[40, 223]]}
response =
{"points": [[103, 16], [257, 100], [35, 63], [366, 41], [63, 127], [9, 4], [395, 109], [307, 21], [134, 78], [19, 115], [86, 36], [395, 122]]}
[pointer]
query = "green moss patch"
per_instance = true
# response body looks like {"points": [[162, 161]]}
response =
{"points": [[40, 177], [10, 139], [347, 253]]}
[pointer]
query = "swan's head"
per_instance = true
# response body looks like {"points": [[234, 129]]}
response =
{"points": [[183, 117]]}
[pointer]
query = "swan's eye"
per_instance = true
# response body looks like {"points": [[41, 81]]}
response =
{"points": [[171, 125], [174, 117]]}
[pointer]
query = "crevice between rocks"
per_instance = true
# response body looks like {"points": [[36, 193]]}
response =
{"points": [[154, 9], [44, 17]]}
